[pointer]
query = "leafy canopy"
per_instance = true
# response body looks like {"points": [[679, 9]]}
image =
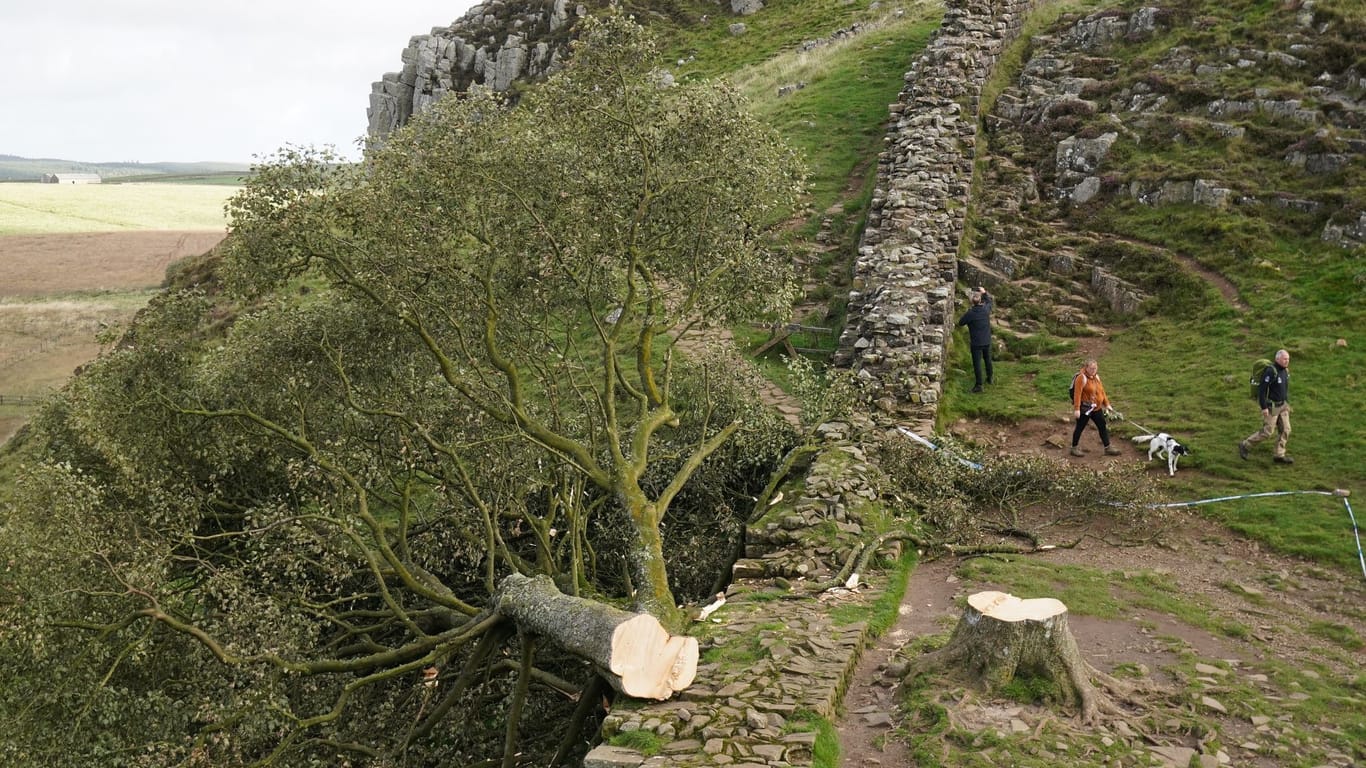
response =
{"points": [[456, 361]]}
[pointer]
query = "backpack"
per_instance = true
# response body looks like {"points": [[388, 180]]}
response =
{"points": [[1072, 390], [1258, 368]]}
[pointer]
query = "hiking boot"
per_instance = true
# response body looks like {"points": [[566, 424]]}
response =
{"points": [[1110, 450], [1077, 451], [1283, 460], [1242, 450], [977, 388]]}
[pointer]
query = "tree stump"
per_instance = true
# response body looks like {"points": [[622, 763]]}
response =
{"points": [[1001, 636], [632, 651]]}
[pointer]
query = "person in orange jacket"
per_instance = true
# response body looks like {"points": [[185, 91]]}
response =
{"points": [[1089, 403]]}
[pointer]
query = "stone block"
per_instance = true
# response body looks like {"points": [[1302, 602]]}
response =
{"points": [[607, 756]]}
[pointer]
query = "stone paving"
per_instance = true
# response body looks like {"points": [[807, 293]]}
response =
{"points": [[774, 652], [738, 713]]}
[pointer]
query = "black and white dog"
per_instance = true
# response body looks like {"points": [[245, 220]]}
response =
{"points": [[1163, 444]]}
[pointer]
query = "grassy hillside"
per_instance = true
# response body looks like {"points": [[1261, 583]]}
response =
{"points": [[1220, 285], [823, 71], [1226, 283], [1181, 362]]}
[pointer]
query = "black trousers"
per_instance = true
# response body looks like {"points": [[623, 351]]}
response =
{"points": [[981, 355], [1098, 416]]}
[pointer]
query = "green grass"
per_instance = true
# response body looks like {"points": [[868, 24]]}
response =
{"points": [[234, 179], [1105, 595], [32, 209], [645, 742], [773, 362], [884, 611], [838, 117], [1323, 712], [1338, 634], [825, 753], [737, 655], [31, 170], [1181, 364], [710, 50]]}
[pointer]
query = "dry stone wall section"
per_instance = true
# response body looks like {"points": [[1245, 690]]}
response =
{"points": [[772, 656], [901, 307]]}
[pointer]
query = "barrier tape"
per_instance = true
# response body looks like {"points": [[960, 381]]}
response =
{"points": [[933, 447], [1339, 492]]}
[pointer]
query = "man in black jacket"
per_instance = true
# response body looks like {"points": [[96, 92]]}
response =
{"points": [[978, 321], [1273, 395]]}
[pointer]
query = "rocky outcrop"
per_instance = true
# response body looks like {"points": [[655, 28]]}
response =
{"points": [[901, 305], [1350, 233], [1122, 296], [1053, 87], [493, 45]]}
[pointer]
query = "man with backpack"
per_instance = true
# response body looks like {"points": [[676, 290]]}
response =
{"points": [[978, 321], [1273, 395]]}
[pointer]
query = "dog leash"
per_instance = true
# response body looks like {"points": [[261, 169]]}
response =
{"points": [[1119, 416], [1342, 493]]}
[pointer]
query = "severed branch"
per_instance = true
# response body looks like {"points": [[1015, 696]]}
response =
{"points": [[589, 696], [514, 715], [632, 651]]}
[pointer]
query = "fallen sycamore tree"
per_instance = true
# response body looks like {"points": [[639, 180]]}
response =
{"points": [[397, 470]]}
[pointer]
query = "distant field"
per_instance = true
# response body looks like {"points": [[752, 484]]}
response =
{"points": [[30, 209], [78, 258], [46, 266]]}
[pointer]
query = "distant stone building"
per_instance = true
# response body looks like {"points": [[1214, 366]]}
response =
{"points": [[71, 178]]}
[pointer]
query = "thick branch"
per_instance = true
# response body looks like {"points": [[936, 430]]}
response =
{"points": [[633, 651]]}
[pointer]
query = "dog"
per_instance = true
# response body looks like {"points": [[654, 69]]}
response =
{"points": [[1163, 444]]}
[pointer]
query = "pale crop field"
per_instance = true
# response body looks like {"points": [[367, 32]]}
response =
{"points": [[78, 260], [32, 209]]}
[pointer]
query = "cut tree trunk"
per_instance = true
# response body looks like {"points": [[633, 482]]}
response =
{"points": [[1001, 636], [633, 651]]}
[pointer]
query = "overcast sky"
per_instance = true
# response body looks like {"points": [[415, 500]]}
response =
{"points": [[192, 80]]}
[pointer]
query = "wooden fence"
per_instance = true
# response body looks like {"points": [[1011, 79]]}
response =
{"points": [[20, 399]]}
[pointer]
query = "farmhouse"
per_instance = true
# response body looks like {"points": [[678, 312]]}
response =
{"points": [[71, 178]]}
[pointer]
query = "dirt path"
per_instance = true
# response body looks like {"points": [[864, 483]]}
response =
{"points": [[771, 394], [1278, 599]]}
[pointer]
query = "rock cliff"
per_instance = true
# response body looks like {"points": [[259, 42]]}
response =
{"points": [[493, 45]]}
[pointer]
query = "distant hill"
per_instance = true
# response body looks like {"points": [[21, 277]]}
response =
{"points": [[15, 168]]}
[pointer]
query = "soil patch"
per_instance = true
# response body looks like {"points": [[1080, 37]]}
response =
{"points": [[47, 328], [46, 265], [1277, 600]]}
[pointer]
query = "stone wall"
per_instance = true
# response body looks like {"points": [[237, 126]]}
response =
{"points": [[901, 307], [901, 312], [773, 650]]}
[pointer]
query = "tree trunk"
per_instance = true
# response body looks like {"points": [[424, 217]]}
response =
{"points": [[633, 651], [1001, 636], [649, 572]]}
